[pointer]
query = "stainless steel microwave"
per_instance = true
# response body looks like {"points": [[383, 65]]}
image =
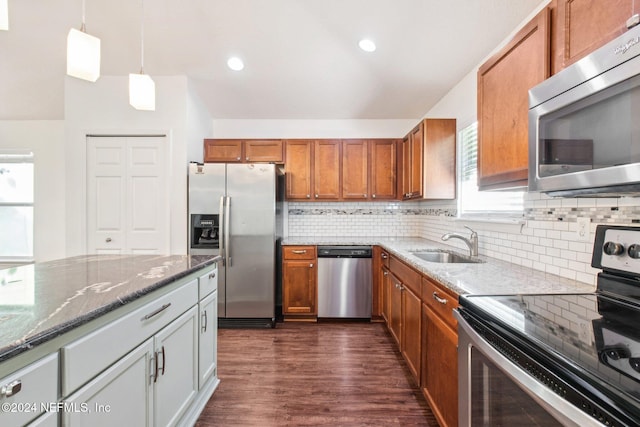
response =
{"points": [[584, 124]]}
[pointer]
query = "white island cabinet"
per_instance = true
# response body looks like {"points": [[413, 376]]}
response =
{"points": [[151, 362]]}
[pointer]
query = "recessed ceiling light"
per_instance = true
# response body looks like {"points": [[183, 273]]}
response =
{"points": [[367, 45], [235, 63]]}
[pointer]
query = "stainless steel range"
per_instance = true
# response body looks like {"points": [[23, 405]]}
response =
{"points": [[564, 359]]}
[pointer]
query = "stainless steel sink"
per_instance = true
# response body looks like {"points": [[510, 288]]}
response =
{"points": [[444, 257]]}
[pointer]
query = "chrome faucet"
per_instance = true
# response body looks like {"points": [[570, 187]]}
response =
{"points": [[472, 242]]}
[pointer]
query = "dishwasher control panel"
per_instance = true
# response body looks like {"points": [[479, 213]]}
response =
{"points": [[344, 251]]}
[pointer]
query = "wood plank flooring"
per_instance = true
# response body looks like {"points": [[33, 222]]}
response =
{"points": [[308, 374]]}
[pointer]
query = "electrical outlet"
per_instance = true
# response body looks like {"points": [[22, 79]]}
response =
{"points": [[582, 230]]}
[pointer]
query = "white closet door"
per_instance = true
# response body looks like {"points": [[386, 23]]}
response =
{"points": [[127, 195]]}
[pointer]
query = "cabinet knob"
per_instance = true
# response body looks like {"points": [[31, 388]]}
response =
{"points": [[373, 196], [108, 240], [384, 255], [310, 265], [212, 275], [364, 195], [386, 273], [316, 196], [247, 158], [238, 158], [308, 196]]}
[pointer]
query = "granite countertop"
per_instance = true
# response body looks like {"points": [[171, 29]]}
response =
{"points": [[41, 301], [490, 277]]}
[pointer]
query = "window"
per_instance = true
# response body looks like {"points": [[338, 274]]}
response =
{"points": [[16, 206], [471, 202]]}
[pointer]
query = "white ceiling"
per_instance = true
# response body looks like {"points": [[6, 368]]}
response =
{"points": [[302, 59]]}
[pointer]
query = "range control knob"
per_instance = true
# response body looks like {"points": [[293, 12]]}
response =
{"points": [[634, 251], [612, 248]]}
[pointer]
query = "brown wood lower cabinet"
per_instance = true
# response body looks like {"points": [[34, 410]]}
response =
{"points": [[299, 283], [419, 316], [411, 335]]}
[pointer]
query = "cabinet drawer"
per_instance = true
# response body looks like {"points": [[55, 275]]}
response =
{"points": [[385, 257], [299, 252], [32, 385], [86, 357], [407, 275], [441, 301], [208, 282]]}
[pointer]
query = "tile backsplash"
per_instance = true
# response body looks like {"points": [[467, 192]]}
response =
{"points": [[547, 239]]}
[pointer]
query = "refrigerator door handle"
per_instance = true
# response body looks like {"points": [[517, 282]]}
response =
{"points": [[222, 230], [227, 218]]}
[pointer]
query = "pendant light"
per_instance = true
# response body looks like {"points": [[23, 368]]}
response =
{"points": [[83, 53], [142, 89], [4, 15]]}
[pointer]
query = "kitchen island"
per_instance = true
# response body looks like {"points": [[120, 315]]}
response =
{"points": [[132, 335]]}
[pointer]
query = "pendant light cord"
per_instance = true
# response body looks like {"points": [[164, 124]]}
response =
{"points": [[142, 40], [83, 28]]}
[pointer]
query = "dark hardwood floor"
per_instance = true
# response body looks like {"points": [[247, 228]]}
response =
{"points": [[308, 374]]}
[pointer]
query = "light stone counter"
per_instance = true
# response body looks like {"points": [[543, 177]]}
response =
{"points": [[490, 277]]}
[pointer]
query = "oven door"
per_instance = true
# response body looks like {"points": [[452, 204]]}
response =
{"points": [[493, 391]]}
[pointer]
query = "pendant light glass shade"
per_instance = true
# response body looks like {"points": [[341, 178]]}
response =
{"points": [[142, 92], [4, 15], [83, 55]]}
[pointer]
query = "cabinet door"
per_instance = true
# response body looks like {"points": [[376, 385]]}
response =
{"points": [[120, 396], [355, 167], [440, 159], [440, 369], [585, 25], [263, 151], [177, 358], [404, 183], [395, 308], [223, 150], [411, 333], [386, 296], [503, 105], [417, 159], [299, 176], [299, 288], [208, 339], [383, 167], [326, 175]]}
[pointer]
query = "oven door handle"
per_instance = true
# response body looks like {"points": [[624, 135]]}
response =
{"points": [[555, 405]]}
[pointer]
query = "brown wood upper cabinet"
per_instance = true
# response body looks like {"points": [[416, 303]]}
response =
{"points": [[243, 151], [412, 156], [439, 158], [313, 169], [582, 26], [348, 169], [503, 104], [428, 161]]}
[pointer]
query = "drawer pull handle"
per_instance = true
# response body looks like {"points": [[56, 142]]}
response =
{"points": [[164, 360], [303, 251], [440, 300], [156, 312], [204, 322], [384, 256], [155, 365], [11, 389], [386, 273]]}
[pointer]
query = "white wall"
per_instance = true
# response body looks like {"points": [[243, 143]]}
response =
{"points": [[45, 138], [199, 126], [226, 128], [103, 108]]}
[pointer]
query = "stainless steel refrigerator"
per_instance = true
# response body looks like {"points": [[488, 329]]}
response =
{"points": [[233, 212]]}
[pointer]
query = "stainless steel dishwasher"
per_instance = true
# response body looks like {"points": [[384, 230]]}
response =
{"points": [[344, 281]]}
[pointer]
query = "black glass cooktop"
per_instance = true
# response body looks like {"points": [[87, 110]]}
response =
{"points": [[595, 336]]}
